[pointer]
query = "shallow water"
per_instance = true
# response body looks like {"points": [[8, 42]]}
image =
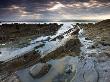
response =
{"points": [[59, 66]]}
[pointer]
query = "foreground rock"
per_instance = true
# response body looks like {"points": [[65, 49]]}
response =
{"points": [[39, 70]]}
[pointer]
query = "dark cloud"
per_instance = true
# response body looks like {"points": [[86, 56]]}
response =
{"points": [[10, 9], [7, 3]]}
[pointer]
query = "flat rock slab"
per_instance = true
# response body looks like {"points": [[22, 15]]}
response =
{"points": [[103, 69], [86, 71]]}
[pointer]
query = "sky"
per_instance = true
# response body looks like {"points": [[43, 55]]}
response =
{"points": [[54, 10]]}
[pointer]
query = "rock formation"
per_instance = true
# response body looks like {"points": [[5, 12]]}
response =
{"points": [[39, 70], [11, 32]]}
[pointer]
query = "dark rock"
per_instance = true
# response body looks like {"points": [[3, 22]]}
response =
{"points": [[1, 63], [57, 37], [75, 32], [105, 43], [87, 38], [60, 37], [54, 39]]}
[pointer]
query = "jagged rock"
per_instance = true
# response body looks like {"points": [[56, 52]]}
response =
{"points": [[39, 70]]}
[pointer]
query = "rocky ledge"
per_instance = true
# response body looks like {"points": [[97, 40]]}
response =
{"points": [[12, 32]]}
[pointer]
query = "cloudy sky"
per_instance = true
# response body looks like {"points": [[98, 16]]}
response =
{"points": [[54, 9]]}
